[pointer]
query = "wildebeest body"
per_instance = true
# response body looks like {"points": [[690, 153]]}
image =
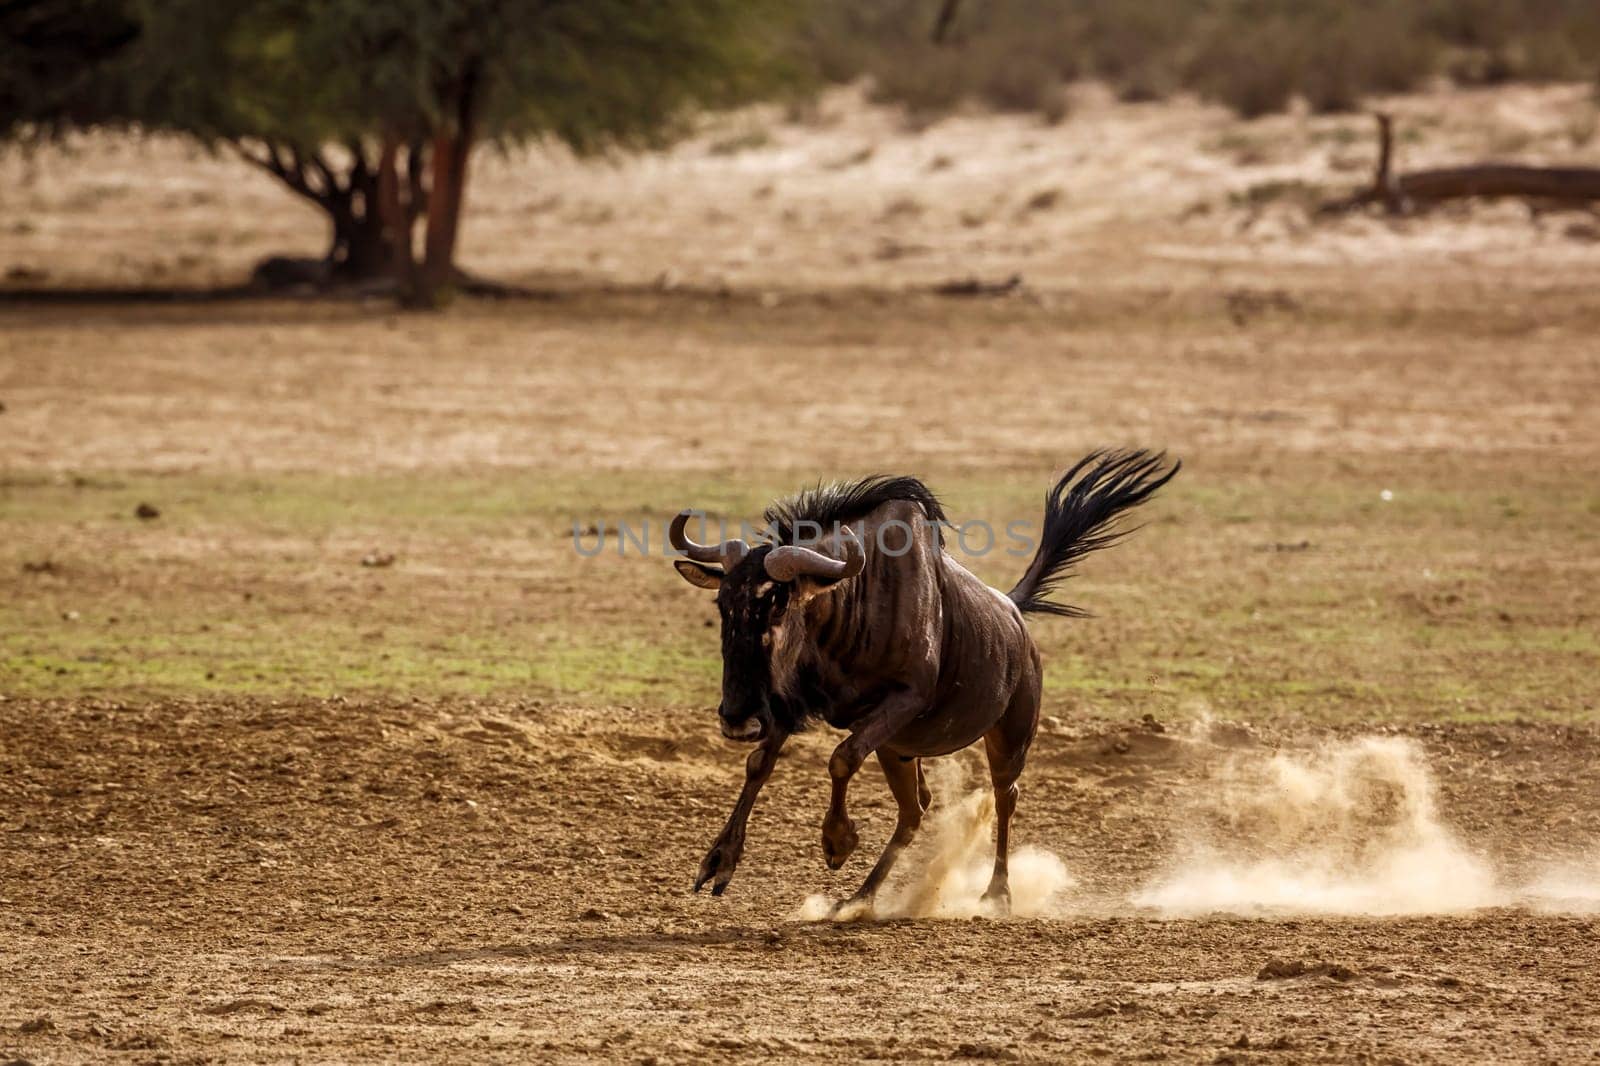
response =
{"points": [[918, 621]]}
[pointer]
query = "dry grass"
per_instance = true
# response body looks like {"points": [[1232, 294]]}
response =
{"points": [[281, 444]]}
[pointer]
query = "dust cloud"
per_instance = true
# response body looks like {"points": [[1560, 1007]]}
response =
{"points": [[1351, 828], [1568, 888], [945, 871]]}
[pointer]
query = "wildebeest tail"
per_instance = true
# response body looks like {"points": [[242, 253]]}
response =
{"points": [[1080, 515]]}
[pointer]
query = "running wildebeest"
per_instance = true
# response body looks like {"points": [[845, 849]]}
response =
{"points": [[877, 631]]}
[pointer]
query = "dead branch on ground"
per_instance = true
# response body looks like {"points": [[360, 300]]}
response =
{"points": [[1403, 194]]}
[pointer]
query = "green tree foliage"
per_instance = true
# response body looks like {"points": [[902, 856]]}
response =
{"points": [[371, 108], [53, 55]]}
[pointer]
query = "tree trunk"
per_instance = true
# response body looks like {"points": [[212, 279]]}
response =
{"points": [[451, 148], [357, 249], [432, 280], [360, 250], [395, 212]]}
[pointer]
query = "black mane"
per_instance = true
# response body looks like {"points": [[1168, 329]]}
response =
{"points": [[845, 501]]}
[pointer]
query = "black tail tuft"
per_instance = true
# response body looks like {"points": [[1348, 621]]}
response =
{"points": [[1079, 519]]}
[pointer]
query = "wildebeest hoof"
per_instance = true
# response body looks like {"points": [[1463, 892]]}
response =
{"points": [[708, 867], [717, 867], [998, 896], [854, 909], [838, 842]]}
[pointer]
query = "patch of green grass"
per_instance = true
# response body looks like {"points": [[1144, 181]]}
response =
{"points": [[324, 659], [1250, 595], [310, 504]]}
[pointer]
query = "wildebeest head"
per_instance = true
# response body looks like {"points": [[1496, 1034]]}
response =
{"points": [[759, 594]]}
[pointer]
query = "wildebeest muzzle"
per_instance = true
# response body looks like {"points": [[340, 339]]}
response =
{"points": [[751, 726]]}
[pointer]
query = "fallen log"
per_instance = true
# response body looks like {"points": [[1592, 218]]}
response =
{"points": [[1576, 185], [978, 287], [1404, 193]]}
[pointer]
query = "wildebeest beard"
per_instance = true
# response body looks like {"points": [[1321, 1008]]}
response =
{"points": [[747, 601], [761, 672]]}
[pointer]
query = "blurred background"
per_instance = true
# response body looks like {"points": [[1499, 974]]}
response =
{"points": [[415, 149]]}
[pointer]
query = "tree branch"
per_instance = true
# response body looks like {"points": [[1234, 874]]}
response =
{"points": [[330, 180], [360, 170], [1384, 186], [271, 160]]}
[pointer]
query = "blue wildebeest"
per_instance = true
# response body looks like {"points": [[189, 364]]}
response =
{"points": [[877, 631]]}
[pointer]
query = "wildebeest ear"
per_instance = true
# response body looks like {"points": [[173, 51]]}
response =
{"points": [[704, 576]]}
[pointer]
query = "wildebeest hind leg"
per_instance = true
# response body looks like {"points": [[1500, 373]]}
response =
{"points": [[1006, 745], [904, 778]]}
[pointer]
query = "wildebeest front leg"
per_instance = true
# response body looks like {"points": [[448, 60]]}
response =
{"points": [[839, 837], [724, 855]]}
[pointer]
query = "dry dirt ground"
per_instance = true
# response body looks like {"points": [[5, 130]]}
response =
{"points": [[241, 880], [262, 802]]}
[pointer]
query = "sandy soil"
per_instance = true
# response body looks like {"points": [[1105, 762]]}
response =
{"points": [[197, 881], [392, 878]]}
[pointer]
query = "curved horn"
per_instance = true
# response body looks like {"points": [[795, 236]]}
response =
{"points": [[790, 561], [728, 553], [733, 551]]}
